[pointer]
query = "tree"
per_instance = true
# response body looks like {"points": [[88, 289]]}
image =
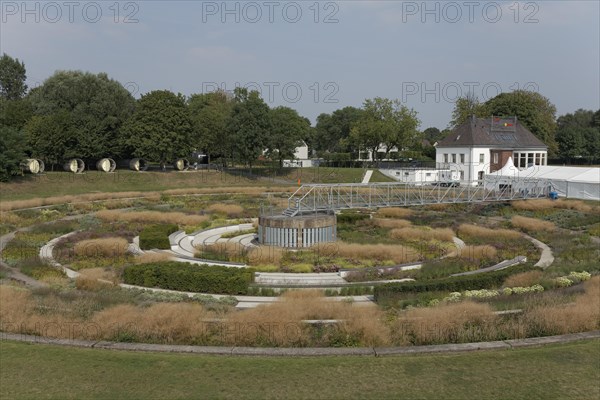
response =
{"points": [[15, 113], [97, 107], [578, 135], [12, 78], [466, 106], [210, 114], [249, 126], [332, 131], [287, 130], [386, 122], [160, 129], [12, 152], [532, 109], [52, 138]]}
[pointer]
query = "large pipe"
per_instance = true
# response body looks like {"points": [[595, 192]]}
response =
{"points": [[42, 165], [181, 164], [106, 165], [31, 165], [135, 164], [74, 165]]}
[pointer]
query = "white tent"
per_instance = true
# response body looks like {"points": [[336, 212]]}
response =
{"points": [[571, 182]]}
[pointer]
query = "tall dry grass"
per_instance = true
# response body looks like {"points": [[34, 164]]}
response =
{"points": [[475, 231], [151, 195], [230, 210], [462, 322], [580, 316], [280, 323], [378, 252], [547, 204], [477, 253], [394, 212], [421, 233], [105, 247], [391, 223], [532, 224], [524, 279], [10, 218], [266, 255], [148, 258], [178, 218]]}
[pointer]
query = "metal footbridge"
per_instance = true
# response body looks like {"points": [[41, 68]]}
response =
{"points": [[331, 197]]}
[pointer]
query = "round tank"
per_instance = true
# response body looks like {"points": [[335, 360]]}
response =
{"points": [[181, 164]]}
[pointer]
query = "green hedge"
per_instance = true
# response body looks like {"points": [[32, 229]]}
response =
{"points": [[350, 218], [157, 236], [393, 291], [190, 277]]}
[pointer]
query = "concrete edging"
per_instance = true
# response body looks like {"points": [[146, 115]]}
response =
{"points": [[305, 351]]}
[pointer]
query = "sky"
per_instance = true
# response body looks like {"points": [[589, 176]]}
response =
{"points": [[319, 56]]}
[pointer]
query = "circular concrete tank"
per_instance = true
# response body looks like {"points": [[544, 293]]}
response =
{"points": [[299, 231]]}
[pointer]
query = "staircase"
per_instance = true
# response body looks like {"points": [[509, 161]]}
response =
{"points": [[290, 212]]}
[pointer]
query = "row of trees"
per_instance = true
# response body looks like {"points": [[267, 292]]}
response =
{"points": [[90, 116]]}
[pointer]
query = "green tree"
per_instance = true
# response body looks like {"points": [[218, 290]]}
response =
{"points": [[52, 138], [332, 131], [249, 126], [97, 106], [12, 78], [578, 135], [12, 152], [15, 113], [210, 113], [387, 122], [160, 129], [287, 131], [532, 109], [466, 106]]}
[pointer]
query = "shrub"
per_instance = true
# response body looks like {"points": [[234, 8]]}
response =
{"points": [[479, 232], [523, 279], [416, 234], [190, 278], [489, 280], [105, 247], [532, 224], [230, 210], [351, 218], [379, 252], [160, 217], [391, 223], [157, 236], [478, 253], [394, 212]]}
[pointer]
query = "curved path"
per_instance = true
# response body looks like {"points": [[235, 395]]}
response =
{"points": [[306, 351]]}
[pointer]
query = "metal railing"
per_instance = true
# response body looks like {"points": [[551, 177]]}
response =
{"points": [[326, 197]]}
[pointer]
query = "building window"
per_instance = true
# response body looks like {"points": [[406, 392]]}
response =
{"points": [[446, 158], [481, 158], [428, 174], [495, 158], [462, 158], [454, 158], [462, 175]]}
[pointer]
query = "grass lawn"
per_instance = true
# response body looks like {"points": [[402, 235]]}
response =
{"points": [[64, 183], [569, 371]]}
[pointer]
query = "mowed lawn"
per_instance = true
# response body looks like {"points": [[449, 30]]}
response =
{"points": [[64, 183], [569, 371]]}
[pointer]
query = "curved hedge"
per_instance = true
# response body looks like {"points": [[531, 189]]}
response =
{"points": [[190, 277], [392, 291], [157, 236]]}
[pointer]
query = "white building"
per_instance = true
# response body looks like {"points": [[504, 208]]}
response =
{"points": [[421, 176], [483, 145], [301, 159], [367, 155]]}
